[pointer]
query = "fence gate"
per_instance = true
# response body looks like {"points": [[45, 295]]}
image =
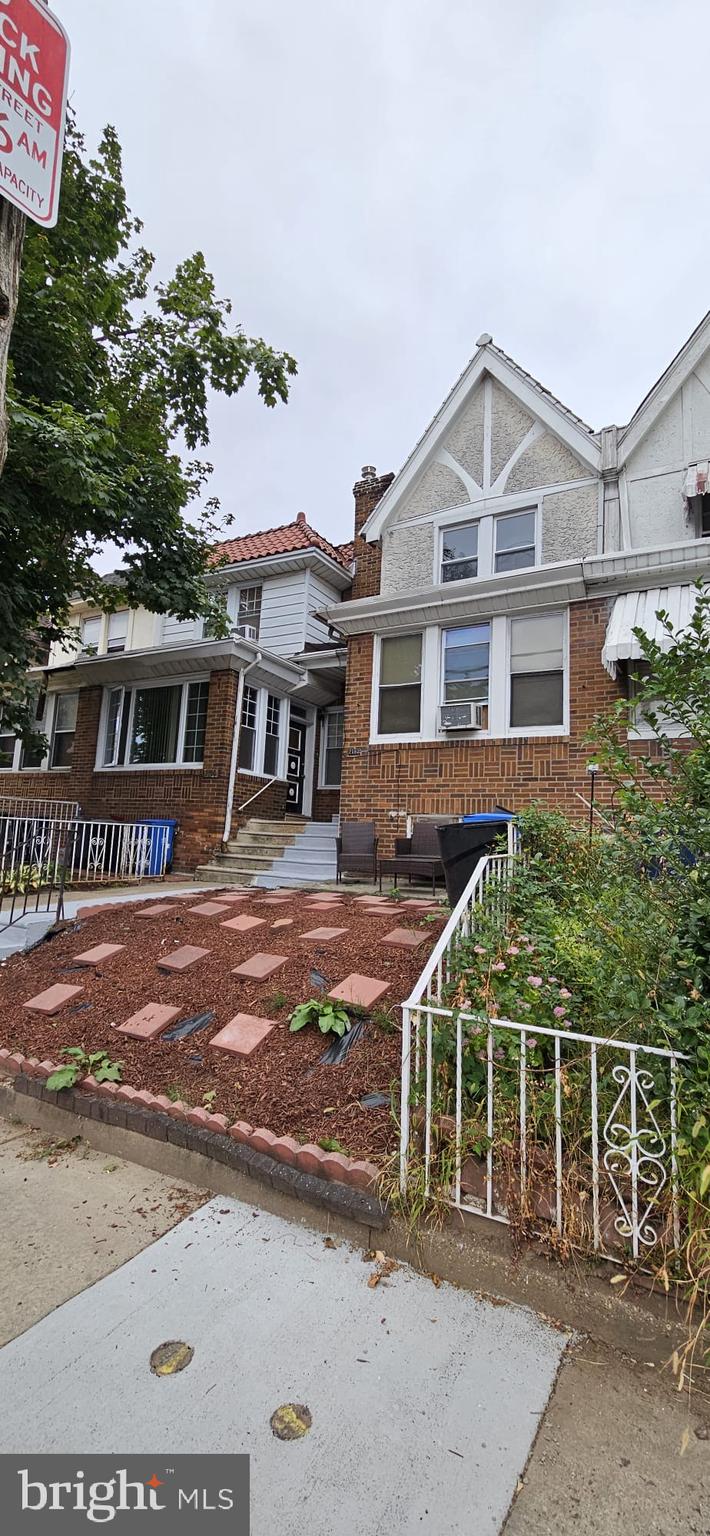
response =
{"points": [[33, 863]]}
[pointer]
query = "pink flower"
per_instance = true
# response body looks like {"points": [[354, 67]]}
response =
{"points": [[499, 1053], [534, 981], [560, 1011], [514, 949], [526, 1006], [478, 949], [552, 978], [531, 1043], [499, 965], [564, 992]]}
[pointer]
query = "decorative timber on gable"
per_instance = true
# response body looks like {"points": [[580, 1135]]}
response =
{"points": [[498, 432]]}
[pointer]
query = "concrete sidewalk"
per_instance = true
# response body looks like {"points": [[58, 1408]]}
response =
{"points": [[425, 1401], [69, 1216]]}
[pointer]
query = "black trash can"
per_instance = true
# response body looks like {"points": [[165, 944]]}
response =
{"points": [[463, 843]]}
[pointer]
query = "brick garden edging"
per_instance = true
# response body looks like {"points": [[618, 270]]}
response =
{"points": [[329, 1179]]}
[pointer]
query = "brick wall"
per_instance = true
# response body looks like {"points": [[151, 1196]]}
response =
{"points": [[450, 777], [368, 557], [197, 798]]}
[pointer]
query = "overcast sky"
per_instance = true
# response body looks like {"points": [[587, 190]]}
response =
{"points": [[375, 182]]}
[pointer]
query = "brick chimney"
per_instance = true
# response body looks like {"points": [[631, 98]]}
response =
{"points": [[368, 490]]}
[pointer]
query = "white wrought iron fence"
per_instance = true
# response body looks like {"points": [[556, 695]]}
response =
{"points": [[575, 1132], [32, 847], [14, 806]]}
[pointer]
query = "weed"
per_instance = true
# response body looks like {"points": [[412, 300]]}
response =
{"points": [[384, 1021], [278, 1001], [327, 1015], [331, 1144], [176, 1094], [209, 1099], [81, 1063]]}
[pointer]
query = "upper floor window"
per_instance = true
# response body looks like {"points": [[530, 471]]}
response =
{"points": [[7, 747], [704, 516], [400, 684], [537, 671], [515, 541], [466, 653], [117, 631], [459, 552], [249, 613], [91, 632]]}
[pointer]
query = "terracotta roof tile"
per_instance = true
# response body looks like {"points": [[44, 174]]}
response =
{"points": [[288, 539]]}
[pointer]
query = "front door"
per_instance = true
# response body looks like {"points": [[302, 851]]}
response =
{"points": [[295, 765]]}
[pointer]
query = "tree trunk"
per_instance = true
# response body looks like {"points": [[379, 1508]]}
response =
{"points": [[12, 236]]}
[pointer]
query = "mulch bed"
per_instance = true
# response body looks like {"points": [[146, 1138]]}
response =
{"points": [[282, 1086]]}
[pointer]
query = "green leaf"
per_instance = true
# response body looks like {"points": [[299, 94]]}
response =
{"points": [[704, 1184], [64, 1077], [110, 1073]]}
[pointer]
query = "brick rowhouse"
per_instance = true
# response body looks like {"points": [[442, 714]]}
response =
{"points": [[386, 783]]}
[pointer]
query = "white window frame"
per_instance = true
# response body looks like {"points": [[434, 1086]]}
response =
{"points": [[375, 735], [498, 728], [139, 686], [93, 618], [485, 513], [117, 650], [50, 733], [516, 732], [234, 599], [447, 629], [639, 728], [269, 694], [46, 726], [323, 782], [257, 772]]}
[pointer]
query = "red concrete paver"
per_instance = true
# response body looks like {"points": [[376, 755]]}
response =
{"points": [[158, 909], [52, 999], [148, 1021], [405, 938], [324, 906], [259, 966], [230, 896], [181, 958], [243, 923], [273, 901], [240, 1037], [324, 934], [99, 953], [284, 922], [210, 908], [361, 990]]}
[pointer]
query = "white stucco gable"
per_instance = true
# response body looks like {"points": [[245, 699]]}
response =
{"points": [[498, 430]]}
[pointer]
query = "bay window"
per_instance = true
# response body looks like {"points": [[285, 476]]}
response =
{"points": [[466, 654], [400, 685], [7, 747], [537, 671], [247, 730], [333, 729], [155, 726], [271, 738], [459, 552], [515, 541], [63, 730]]}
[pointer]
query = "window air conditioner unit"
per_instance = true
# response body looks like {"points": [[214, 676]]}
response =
{"points": [[248, 631], [462, 717]]}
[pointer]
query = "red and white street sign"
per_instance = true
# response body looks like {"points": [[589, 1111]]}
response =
{"points": [[34, 71]]}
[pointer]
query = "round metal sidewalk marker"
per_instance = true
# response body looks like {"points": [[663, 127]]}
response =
{"points": [[171, 1357], [291, 1421]]}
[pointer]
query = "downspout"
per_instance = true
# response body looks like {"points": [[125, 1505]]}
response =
{"points": [[235, 746]]}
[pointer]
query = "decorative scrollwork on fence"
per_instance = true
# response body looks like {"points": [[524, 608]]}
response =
{"points": [[636, 1154]]}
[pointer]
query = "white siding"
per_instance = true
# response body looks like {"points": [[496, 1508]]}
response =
{"points": [[179, 631], [320, 595], [283, 614], [655, 473]]}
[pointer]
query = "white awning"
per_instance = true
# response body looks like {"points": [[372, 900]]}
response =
{"points": [[637, 610], [697, 479]]}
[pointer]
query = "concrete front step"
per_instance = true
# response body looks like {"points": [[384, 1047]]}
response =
{"points": [[225, 874], [269, 881]]}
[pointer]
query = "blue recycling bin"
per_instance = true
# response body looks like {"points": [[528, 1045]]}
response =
{"points": [[160, 846]]}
